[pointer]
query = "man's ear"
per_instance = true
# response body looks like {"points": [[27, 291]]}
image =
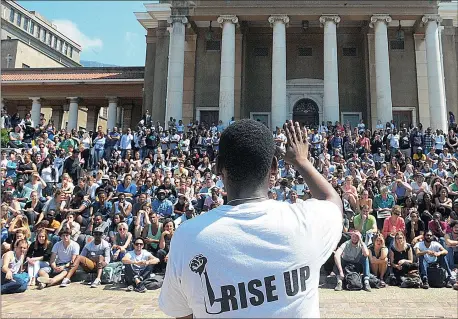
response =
{"points": [[274, 166]]}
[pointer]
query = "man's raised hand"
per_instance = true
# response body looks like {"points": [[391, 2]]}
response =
{"points": [[297, 146]]}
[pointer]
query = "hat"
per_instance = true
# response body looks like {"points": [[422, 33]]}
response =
{"points": [[64, 231], [105, 177], [98, 230]]}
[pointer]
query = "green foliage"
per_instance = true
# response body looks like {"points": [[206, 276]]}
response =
{"points": [[4, 137]]}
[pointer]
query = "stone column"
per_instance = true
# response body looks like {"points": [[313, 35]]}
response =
{"points": [[36, 110], [436, 90], [226, 83], [279, 108], [119, 116], [450, 65], [331, 71], [422, 80], [72, 113], [148, 87], [174, 104], [160, 73], [382, 67], [112, 108]]}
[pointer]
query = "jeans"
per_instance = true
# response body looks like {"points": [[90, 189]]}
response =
{"points": [[98, 155], [423, 264], [32, 270], [361, 264], [18, 284], [131, 273], [451, 257]]}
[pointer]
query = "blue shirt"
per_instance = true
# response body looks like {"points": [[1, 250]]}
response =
{"points": [[11, 169], [132, 189], [164, 208]]}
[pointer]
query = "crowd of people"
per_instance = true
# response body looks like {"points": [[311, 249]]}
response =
{"points": [[77, 199]]}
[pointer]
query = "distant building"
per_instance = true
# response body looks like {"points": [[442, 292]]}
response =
{"points": [[30, 41]]}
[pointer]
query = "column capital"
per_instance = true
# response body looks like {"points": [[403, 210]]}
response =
{"points": [[431, 18], [278, 18], [222, 19], [35, 99], [177, 18], [385, 18], [112, 99], [329, 17], [73, 99]]}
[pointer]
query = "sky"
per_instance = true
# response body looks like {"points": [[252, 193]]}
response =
{"points": [[107, 30]]}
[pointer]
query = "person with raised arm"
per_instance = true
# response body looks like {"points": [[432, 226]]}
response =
{"points": [[254, 257]]}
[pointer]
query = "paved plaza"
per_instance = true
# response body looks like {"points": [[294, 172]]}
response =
{"points": [[78, 301]]}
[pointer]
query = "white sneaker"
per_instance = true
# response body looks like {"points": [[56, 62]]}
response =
{"points": [[65, 282], [95, 283]]}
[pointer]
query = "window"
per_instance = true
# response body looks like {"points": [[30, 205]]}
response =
{"points": [[12, 15], [64, 48], [349, 52], [32, 28], [104, 112], [397, 44], [261, 51], [304, 51], [71, 52], [213, 45], [59, 45], [25, 66], [49, 38], [26, 24], [19, 19]]}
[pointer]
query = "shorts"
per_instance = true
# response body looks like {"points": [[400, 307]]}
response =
{"points": [[53, 273]]}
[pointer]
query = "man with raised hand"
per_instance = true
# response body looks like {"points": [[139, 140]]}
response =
{"points": [[254, 257]]}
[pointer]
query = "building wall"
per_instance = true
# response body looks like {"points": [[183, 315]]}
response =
{"points": [[403, 71], [208, 68], [22, 53]]}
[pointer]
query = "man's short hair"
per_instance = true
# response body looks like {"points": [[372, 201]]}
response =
{"points": [[246, 152]]}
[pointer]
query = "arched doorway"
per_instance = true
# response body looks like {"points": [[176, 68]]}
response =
{"points": [[305, 112]]}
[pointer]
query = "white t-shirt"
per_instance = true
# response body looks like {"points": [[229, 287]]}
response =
{"points": [[435, 246], [64, 255], [144, 256], [246, 252]]}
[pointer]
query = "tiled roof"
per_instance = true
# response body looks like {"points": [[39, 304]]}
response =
{"points": [[68, 75]]}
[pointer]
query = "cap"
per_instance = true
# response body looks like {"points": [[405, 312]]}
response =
{"points": [[105, 177], [98, 230]]}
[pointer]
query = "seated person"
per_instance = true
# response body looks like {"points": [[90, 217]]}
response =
{"points": [[122, 242], [366, 224], [71, 224], [12, 240], [401, 258], [152, 233], [438, 227], [451, 242], [430, 251], [64, 254], [93, 258], [415, 228], [392, 225], [38, 255], [168, 229], [189, 213], [138, 266], [14, 279], [214, 198], [162, 206], [379, 258], [123, 207], [48, 221], [355, 252]]}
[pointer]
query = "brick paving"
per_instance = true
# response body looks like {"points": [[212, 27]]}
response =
{"points": [[78, 301]]}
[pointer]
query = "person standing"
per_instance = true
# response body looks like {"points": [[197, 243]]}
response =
{"points": [[268, 237]]}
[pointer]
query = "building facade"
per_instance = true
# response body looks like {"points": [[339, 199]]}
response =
{"points": [[311, 61], [28, 40]]}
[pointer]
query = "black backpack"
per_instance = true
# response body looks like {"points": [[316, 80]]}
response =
{"points": [[436, 276], [353, 281]]}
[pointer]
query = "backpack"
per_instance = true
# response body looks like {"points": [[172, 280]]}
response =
{"points": [[411, 280], [436, 276], [113, 273], [374, 282], [353, 281], [153, 283]]}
